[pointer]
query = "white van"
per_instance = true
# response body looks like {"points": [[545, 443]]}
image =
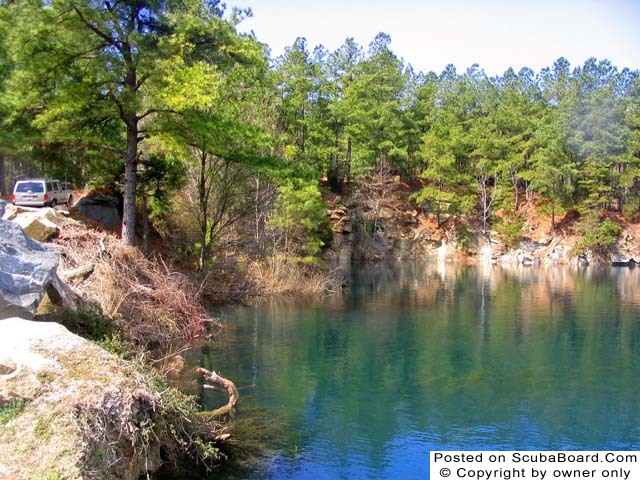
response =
{"points": [[40, 192]]}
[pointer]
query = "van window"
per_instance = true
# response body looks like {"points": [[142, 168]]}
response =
{"points": [[34, 187]]}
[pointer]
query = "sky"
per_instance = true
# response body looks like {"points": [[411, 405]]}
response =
{"points": [[429, 34]]}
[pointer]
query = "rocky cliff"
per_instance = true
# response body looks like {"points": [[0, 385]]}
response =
{"points": [[384, 223]]}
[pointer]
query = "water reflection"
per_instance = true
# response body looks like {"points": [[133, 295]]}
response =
{"points": [[415, 357]]}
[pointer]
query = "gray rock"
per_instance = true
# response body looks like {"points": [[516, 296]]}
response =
{"points": [[620, 260], [26, 269], [3, 204], [100, 208]]}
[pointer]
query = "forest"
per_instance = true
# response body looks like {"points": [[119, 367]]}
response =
{"points": [[199, 128]]}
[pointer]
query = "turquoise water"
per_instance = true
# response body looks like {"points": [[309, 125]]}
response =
{"points": [[415, 357]]}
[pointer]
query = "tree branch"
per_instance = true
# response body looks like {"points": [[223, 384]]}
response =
{"points": [[228, 385], [96, 30], [143, 79]]}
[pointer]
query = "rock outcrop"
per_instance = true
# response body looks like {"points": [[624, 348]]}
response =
{"points": [[83, 412], [27, 268], [381, 222]]}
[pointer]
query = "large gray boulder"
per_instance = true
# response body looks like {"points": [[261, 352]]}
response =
{"points": [[26, 270], [100, 208]]}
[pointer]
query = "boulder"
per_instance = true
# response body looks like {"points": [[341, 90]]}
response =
{"points": [[386, 213], [26, 269], [38, 223], [84, 413], [20, 359], [37, 227], [620, 260], [100, 208]]}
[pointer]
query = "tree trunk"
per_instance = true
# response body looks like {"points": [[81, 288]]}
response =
{"points": [[129, 115], [302, 133], [145, 225], [204, 203], [3, 182], [348, 159], [77, 274], [257, 214], [130, 179], [60, 293], [514, 182]]}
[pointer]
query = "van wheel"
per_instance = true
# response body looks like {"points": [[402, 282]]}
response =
{"points": [[53, 203]]}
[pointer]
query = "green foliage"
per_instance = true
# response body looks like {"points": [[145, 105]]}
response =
{"points": [[463, 236], [117, 345], [597, 234], [11, 410], [105, 331], [371, 227], [206, 451], [182, 424], [160, 174], [81, 87], [301, 213], [105, 76], [88, 324], [509, 229]]}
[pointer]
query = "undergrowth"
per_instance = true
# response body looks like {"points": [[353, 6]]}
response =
{"points": [[186, 432], [11, 410], [157, 304], [285, 274], [598, 235]]}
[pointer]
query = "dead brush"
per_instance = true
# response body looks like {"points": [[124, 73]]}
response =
{"points": [[156, 304], [281, 274]]}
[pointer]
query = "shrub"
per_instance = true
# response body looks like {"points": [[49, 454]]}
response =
{"points": [[302, 214], [598, 235], [510, 229], [157, 304], [11, 410]]}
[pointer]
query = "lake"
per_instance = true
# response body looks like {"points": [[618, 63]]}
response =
{"points": [[414, 357]]}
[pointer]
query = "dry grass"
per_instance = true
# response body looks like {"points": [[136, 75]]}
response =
{"points": [[157, 305], [283, 275]]}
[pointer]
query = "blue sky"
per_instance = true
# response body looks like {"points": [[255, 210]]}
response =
{"points": [[429, 34]]}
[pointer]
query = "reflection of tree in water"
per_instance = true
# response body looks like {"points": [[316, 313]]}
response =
{"points": [[463, 357]]}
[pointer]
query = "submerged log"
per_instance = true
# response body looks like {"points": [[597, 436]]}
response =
{"points": [[228, 385]]}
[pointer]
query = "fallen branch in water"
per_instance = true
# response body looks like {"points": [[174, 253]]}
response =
{"points": [[228, 385]]}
